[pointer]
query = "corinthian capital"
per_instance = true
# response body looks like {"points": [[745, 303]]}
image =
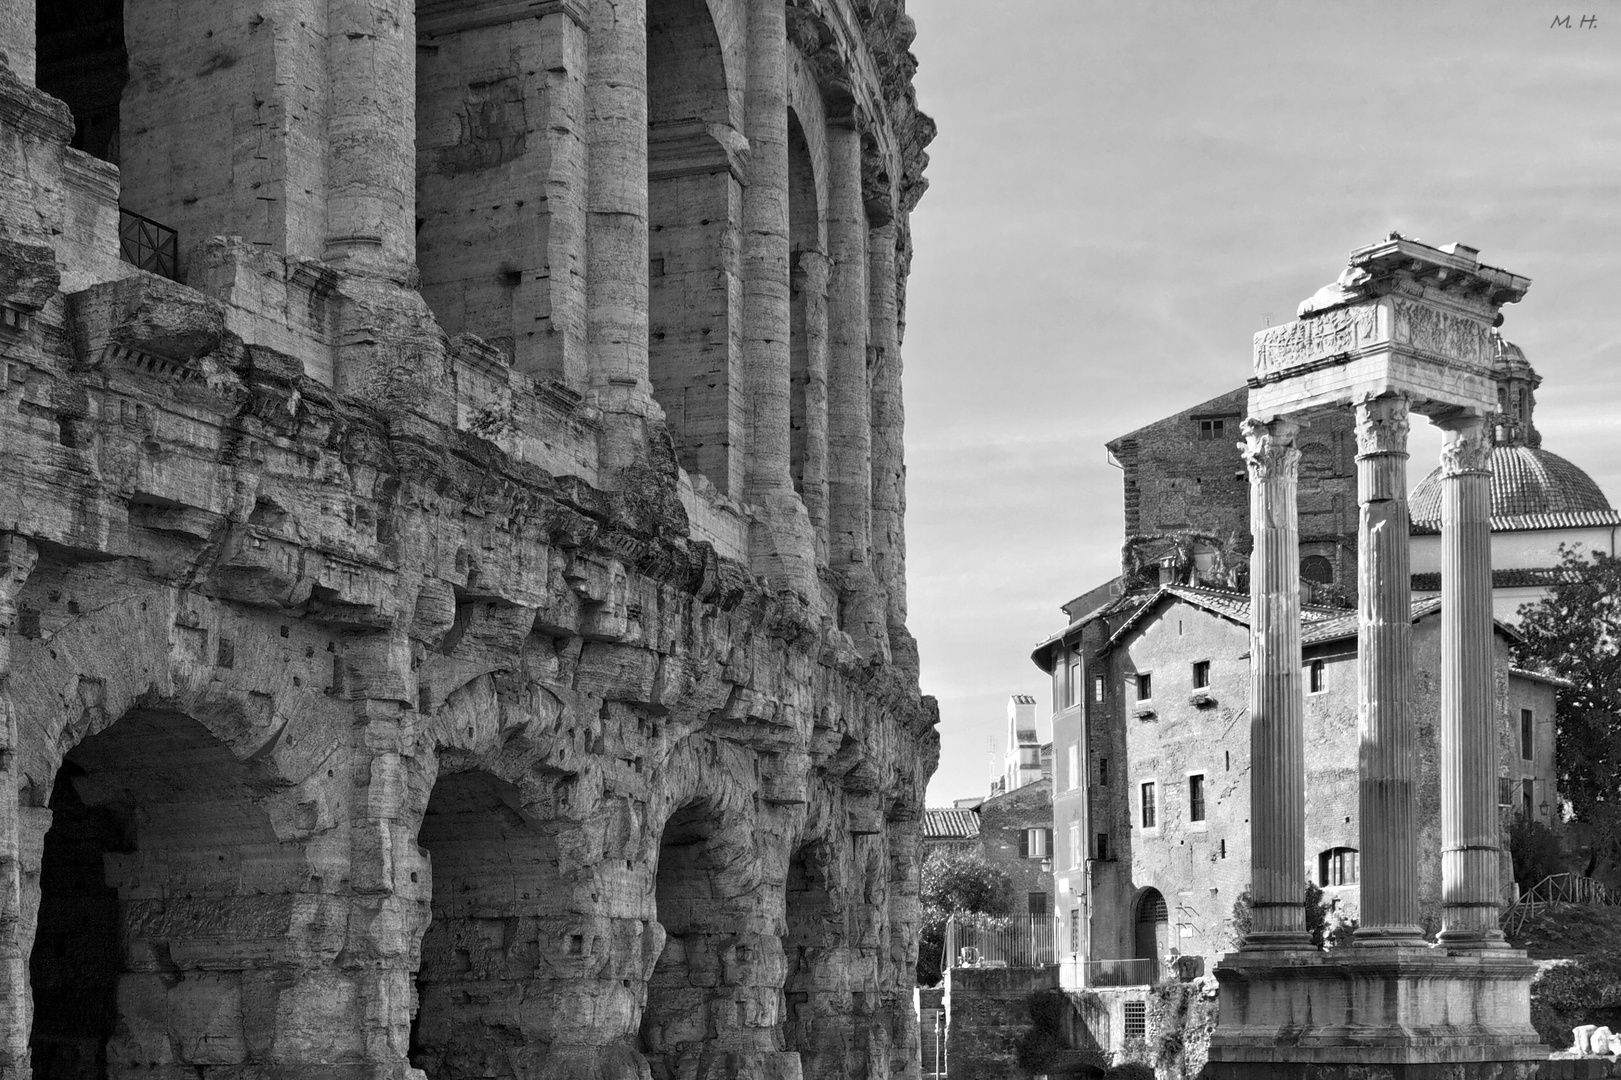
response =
{"points": [[1466, 446], [1382, 425], [1269, 449]]}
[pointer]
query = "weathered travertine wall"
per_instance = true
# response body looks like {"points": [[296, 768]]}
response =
{"points": [[424, 643]]}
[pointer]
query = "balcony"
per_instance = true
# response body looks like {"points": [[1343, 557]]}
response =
{"points": [[1009, 941], [148, 245]]}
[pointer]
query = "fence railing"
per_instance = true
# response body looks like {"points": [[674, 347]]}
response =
{"points": [[1566, 888], [1008, 941], [148, 244], [1140, 972]]}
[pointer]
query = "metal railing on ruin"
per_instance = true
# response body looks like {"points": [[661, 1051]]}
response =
{"points": [[1138, 972], [1553, 890], [147, 244], [1008, 941]]}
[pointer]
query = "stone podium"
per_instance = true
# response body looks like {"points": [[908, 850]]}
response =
{"points": [[1406, 329]]}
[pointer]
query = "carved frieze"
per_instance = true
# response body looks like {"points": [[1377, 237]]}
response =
{"points": [[1306, 341], [1442, 333]]}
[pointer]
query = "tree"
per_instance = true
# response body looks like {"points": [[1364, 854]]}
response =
{"points": [[956, 883], [1575, 632]]}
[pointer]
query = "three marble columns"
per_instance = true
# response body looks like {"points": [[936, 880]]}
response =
{"points": [[1388, 774]]}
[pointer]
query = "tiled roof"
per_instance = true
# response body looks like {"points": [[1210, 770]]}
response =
{"points": [[1343, 626], [1526, 480], [1226, 603], [1501, 579], [1570, 519], [950, 824]]}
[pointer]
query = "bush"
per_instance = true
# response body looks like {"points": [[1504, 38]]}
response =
{"points": [[1584, 991], [1536, 849]]}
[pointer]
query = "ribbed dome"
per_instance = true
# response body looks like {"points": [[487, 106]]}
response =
{"points": [[1525, 480]]}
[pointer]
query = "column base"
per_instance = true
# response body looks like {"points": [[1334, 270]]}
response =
{"points": [[1396, 1012], [1389, 937]]}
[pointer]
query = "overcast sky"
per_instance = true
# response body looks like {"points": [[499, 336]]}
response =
{"points": [[1123, 193]]}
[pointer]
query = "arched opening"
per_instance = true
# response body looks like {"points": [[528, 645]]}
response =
{"points": [[82, 61], [1317, 569], [496, 930], [158, 840], [1153, 930], [807, 334], [694, 208], [814, 990]]}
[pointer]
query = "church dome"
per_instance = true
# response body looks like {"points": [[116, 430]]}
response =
{"points": [[1525, 480]]}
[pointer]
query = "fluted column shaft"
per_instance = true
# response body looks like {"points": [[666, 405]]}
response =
{"points": [[849, 412], [1386, 806], [766, 315], [888, 426], [1277, 758], [371, 134], [616, 203], [1470, 848]]}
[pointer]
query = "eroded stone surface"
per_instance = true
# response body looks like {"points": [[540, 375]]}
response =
{"points": [[381, 696]]}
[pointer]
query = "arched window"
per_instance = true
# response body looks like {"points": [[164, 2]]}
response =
{"points": [[1337, 866], [1152, 938], [1317, 569]]}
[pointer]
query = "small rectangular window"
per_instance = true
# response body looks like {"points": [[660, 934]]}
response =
{"points": [[1097, 688], [1075, 930], [1072, 683], [1338, 866], [1037, 844], [1103, 847], [1148, 808], [1211, 430], [1074, 844], [1145, 686], [1201, 674], [1040, 904], [1136, 1019], [1103, 772], [1224, 849], [1074, 762], [1505, 791], [1528, 728], [1196, 797], [1317, 676]]}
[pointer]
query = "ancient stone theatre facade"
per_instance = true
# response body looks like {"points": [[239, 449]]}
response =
{"points": [[451, 509]]}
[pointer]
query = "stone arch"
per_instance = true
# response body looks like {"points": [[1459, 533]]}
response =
{"points": [[166, 905], [79, 50], [498, 930], [694, 205], [1317, 569], [1151, 927]]}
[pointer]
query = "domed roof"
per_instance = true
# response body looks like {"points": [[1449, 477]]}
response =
{"points": [[1525, 480]]}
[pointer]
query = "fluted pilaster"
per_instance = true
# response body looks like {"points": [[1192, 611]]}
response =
{"points": [[765, 251], [616, 204], [1470, 846], [371, 135], [1387, 802], [1277, 759], [849, 423]]}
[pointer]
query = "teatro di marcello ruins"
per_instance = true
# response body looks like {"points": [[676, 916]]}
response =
{"points": [[454, 593]]}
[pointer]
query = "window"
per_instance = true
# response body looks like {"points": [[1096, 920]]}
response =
{"points": [[1528, 729], [1145, 686], [1103, 847], [1040, 903], [1103, 772], [1211, 430], [1525, 798], [1036, 844], [1074, 844], [1097, 688], [1224, 849], [1074, 777], [1075, 930], [1505, 791], [1317, 569], [1227, 760], [1149, 817], [1196, 797], [1201, 674], [1136, 1019], [1317, 676], [1337, 866], [1072, 682]]}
